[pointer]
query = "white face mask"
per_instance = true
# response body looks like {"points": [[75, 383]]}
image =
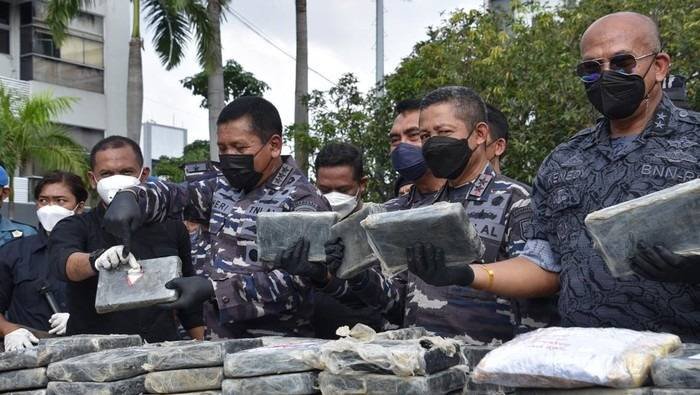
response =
{"points": [[109, 186], [341, 203], [51, 214]]}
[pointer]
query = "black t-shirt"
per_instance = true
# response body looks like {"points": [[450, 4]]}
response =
{"points": [[84, 233]]}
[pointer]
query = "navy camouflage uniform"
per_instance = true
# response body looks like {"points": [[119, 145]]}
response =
{"points": [[11, 230], [250, 299], [587, 174]]}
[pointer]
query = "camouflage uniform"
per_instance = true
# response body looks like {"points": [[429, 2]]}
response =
{"points": [[250, 300], [586, 174], [10, 230]]}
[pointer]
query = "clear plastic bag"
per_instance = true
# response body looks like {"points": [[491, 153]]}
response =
{"points": [[358, 255], [670, 217], [575, 357], [279, 231], [444, 225]]}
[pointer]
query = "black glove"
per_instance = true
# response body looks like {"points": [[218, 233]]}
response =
{"points": [[295, 260], [660, 264], [122, 218], [334, 254], [193, 291], [428, 262]]}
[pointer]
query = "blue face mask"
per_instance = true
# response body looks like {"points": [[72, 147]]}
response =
{"points": [[408, 161]]}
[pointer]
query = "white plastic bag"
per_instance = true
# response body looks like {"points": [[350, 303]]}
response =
{"points": [[575, 357]]}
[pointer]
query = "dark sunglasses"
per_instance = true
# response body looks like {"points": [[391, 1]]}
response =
{"points": [[591, 70]]}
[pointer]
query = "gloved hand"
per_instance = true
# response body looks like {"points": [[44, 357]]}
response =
{"points": [[335, 250], [59, 323], [19, 339], [113, 257], [123, 217], [193, 291], [660, 264], [295, 260], [428, 262]]}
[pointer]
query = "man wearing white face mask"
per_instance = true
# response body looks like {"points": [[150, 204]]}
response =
{"points": [[26, 282], [80, 248]]}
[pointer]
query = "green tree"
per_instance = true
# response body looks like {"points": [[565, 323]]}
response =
{"points": [[171, 168], [237, 82], [174, 23], [29, 135]]}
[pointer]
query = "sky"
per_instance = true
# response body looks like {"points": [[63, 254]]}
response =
{"points": [[341, 39]]}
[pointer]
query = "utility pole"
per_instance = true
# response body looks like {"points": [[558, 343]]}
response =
{"points": [[380, 42]]}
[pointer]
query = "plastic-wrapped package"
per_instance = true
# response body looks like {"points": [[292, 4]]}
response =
{"points": [[679, 370], [472, 388], [132, 386], [474, 354], [444, 225], [443, 382], [581, 391], [50, 350], [27, 392], [278, 231], [126, 288], [414, 332], [196, 354], [184, 380], [270, 360], [282, 384], [575, 357], [358, 255], [23, 379], [616, 230]]}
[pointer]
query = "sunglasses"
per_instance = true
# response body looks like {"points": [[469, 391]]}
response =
{"points": [[591, 70]]}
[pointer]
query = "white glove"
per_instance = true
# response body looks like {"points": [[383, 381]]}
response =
{"points": [[112, 258], [19, 339], [59, 322]]}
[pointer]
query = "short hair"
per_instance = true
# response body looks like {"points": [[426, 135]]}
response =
{"points": [[407, 105], [114, 142], [72, 181], [341, 154], [264, 117], [469, 105], [498, 124]]}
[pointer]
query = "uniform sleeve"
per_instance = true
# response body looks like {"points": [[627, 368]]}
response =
{"points": [[193, 316], [370, 286], [69, 236], [519, 226], [160, 200], [539, 249], [6, 278]]}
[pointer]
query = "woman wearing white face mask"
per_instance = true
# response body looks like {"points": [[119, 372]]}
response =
{"points": [[24, 266]]}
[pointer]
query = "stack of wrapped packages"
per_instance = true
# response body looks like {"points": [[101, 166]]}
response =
{"points": [[159, 368], [405, 361], [25, 371]]}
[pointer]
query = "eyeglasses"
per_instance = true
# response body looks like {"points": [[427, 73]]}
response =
{"points": [[591, 70]]}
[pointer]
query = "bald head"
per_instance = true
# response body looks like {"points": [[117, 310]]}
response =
{"points": [[637, 31]]}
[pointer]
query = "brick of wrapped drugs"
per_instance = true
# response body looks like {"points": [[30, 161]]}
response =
{"points": [[358, 255], [278, 231], [673, 391], [131, 386], [19, 359], [449, 380], [23, 379], [474, 354], [679, 370], [414, 332], [184, 380], [399, 357], [126, 288], [616, 230], [282, 384], [472, 388], [197, 354], [583, 391], [444, 225], [280, 358], [27, 392]]}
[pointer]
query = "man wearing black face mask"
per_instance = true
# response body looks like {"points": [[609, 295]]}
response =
{"points": [[247, 300], [643, 144]]}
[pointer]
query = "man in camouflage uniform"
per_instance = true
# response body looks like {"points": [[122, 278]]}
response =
{"points": [[10, 230], [643, 144], [248, 299]]}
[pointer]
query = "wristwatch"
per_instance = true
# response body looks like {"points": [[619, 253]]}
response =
{"points": [[93, 257]]}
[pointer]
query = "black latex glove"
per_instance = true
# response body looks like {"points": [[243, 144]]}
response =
{"points": [[122, 218], [295, 260], [334, 254], [428, 262], [193, 291], [660, 264]]}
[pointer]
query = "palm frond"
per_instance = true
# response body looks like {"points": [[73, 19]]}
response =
{"points": [[59, 13], [203, 31], [171, 30]]}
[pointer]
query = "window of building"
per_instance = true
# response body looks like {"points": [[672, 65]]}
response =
{"points": [[4, 27]]}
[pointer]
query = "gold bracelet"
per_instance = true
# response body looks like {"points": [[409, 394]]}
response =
{"points": [[491, 275]]}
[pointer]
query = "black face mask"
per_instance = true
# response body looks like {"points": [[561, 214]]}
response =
{"points": [[617, 95], [239, 170], [446, 156]]}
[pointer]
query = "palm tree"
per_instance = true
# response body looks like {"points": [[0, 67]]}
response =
{"points": [[30, 135], [215, 78], [301, 111], [174, 23]]}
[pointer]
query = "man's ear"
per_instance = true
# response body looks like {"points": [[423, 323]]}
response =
{"points": [[500, 146], [481, 133], [363, 185], [275, 144], [145, 173], [92, 178], [663, 63]]}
